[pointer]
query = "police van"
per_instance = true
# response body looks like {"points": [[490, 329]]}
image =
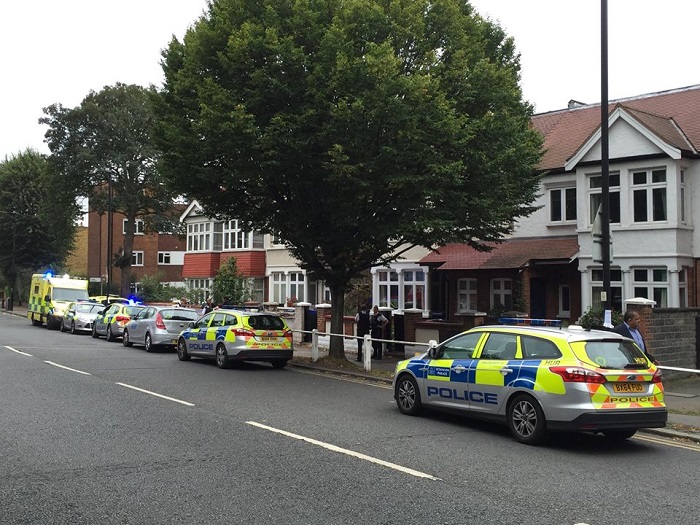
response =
{"points": [[51, 296]]}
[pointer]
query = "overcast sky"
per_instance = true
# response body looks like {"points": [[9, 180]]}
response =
{"points": [[56, 51]]}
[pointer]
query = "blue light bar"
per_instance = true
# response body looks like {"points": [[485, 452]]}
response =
{"points": [[529, 322]]}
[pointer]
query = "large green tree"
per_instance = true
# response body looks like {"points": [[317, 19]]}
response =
{"points": [[107, 139], [37, 216], [354, 128]]}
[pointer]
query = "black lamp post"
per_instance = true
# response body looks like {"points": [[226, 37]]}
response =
{"points": [[606, 299]]}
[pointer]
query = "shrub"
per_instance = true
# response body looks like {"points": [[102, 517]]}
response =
{"points": [[593, 318]]}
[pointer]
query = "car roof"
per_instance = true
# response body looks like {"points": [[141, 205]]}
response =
{"points": [[571, 333], [243, 312]]}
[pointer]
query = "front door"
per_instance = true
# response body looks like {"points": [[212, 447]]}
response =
{"points": [[538, 298]]}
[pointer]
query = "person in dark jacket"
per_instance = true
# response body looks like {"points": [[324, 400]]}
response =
{"points": [[629, 327], [362, 320], [377, 324]]}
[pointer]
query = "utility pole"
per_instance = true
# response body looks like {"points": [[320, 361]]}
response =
{"points": [[606, 297]]}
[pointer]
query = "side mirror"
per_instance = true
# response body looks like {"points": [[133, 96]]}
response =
{"points": [[190, 324], [47, 298]]}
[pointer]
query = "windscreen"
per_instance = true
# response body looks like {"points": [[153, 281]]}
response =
{"points": [[69, 294], [616, 354], [89, 308]]}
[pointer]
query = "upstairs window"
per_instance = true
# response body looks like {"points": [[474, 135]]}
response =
{"points": [[138, 226], [199, 237], [649, 195], [595, 185], [562, 205]]}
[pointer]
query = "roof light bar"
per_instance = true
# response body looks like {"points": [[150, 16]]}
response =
{"points": [[529, 322]]}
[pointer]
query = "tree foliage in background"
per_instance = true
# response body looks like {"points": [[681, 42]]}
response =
{"points": [[152, 289], [230, 286], [108, 136], [37, 216], [354, 129]]}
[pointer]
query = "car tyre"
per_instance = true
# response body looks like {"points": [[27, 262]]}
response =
{"points": [[94, 332], [182, 354], [278, 363], [221, 356], [526, 420], [125, 338], [110, 335], [72, 328], [148, 343], [619, 435], [407, 395]]}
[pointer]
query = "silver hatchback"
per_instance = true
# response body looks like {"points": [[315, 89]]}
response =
{"points": [[157, 326]]}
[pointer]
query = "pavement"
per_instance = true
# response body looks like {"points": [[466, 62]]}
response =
{"points": [[682, 393]]}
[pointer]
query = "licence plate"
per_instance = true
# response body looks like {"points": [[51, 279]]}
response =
{"points": [[269, 339], [173, 341], [625, 388]]}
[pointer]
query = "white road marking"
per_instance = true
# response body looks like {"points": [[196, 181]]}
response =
{"points": [[352, 453], [19, 352], [67, 368], [157, 395]]}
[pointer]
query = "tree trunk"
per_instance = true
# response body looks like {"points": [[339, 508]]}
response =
{"points": [[125, 288], [337, 344]]}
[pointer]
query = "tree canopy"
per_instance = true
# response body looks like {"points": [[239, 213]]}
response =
{"points": [[107, 138], [352, 128], [37, 216]]}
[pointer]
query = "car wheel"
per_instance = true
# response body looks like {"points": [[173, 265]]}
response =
{"points": [[407, 395], [182, 354], [148, 343], [221, 356], [278, 363], [94, 332], [619, 435], [110, 335], [125, 338], [72, 327], [526, 420]]}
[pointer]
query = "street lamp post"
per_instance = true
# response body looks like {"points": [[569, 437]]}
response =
{"points": [[606, 298]]}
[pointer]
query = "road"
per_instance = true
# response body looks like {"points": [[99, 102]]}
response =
{"points": [[93, 432]]}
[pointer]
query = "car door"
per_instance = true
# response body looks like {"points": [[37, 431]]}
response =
{"points": [[447, 381], [495, 368], [138, 324], [195, 337]]}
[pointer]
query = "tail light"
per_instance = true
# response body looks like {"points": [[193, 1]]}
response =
{"points": [[288, 334], [242, 332], [122, 319], [657, 376], [576, 374], [159, 322]]}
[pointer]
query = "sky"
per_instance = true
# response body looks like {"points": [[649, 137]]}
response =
{"points": [[57, 51]]}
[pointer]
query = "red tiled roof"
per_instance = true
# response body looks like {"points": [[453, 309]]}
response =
{"points": [[513, 253], [663, 113]]}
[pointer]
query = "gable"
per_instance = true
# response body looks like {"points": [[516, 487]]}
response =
{"points": [[624, 141]]}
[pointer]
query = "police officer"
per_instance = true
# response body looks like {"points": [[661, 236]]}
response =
{"points": [[363, 325], [377, 324]]}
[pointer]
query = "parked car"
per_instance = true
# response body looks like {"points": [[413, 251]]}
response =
{"points": [[537, 379], [156, 326], [112, 299], [233, 336], [80, 316], [110, 321]]}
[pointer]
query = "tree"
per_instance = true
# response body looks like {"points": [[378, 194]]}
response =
{"points": [[230, 286], [37, 216], [354, 129], [107, 139]]}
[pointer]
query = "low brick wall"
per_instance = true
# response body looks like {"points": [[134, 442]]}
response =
{"points": [[670, 334]]}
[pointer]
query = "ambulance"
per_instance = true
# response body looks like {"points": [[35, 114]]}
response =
{"points": [[50, 297]]}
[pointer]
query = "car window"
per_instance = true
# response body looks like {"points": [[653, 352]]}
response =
{"points": [[615, 354], [113, 309], [460, 347], [218, 320], [83, 308], [499, 346], [178, 314], [203, 322], [231, 320], [538, 348], [132, 310], [265, 322]]}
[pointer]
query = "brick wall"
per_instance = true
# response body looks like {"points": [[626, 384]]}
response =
{"points": [[670, 334]]}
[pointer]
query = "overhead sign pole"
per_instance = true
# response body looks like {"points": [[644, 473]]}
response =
{"points": [[606, 298]]}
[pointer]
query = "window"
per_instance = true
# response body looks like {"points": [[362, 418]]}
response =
{"points": [[562, 204], [681, 198], [164, 258], [279, 287], [595, 185], [296, 286], [138, 227], [199, 237], [414, 289], [466, 295], [682, 289], [235, 238], [649, 195], [615, 288], [277, 239], [564, 300], [499, 346], [536, 348], [651, 283], [257, 288], [460, 347], [137, 258], [388, 288], [502, 293]]}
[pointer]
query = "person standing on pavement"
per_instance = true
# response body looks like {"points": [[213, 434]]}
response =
{"points": [[377, 324], [629, 327], [363, 325]]}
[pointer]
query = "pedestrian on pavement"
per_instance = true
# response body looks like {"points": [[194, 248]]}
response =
{"points": [[377, 324], [629, 327], [363, 325]]}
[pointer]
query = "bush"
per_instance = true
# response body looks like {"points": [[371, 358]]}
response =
{"points": [[592, 319], [152, 290]]}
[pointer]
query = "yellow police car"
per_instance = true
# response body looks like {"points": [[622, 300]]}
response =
{"points": [[111, 321], [537, 379], [234, 336]]}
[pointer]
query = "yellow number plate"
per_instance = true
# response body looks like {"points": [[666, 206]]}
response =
{"points": [[624, 388]]}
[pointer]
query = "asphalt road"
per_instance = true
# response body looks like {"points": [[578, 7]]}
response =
{"points": [[92, 432]]}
